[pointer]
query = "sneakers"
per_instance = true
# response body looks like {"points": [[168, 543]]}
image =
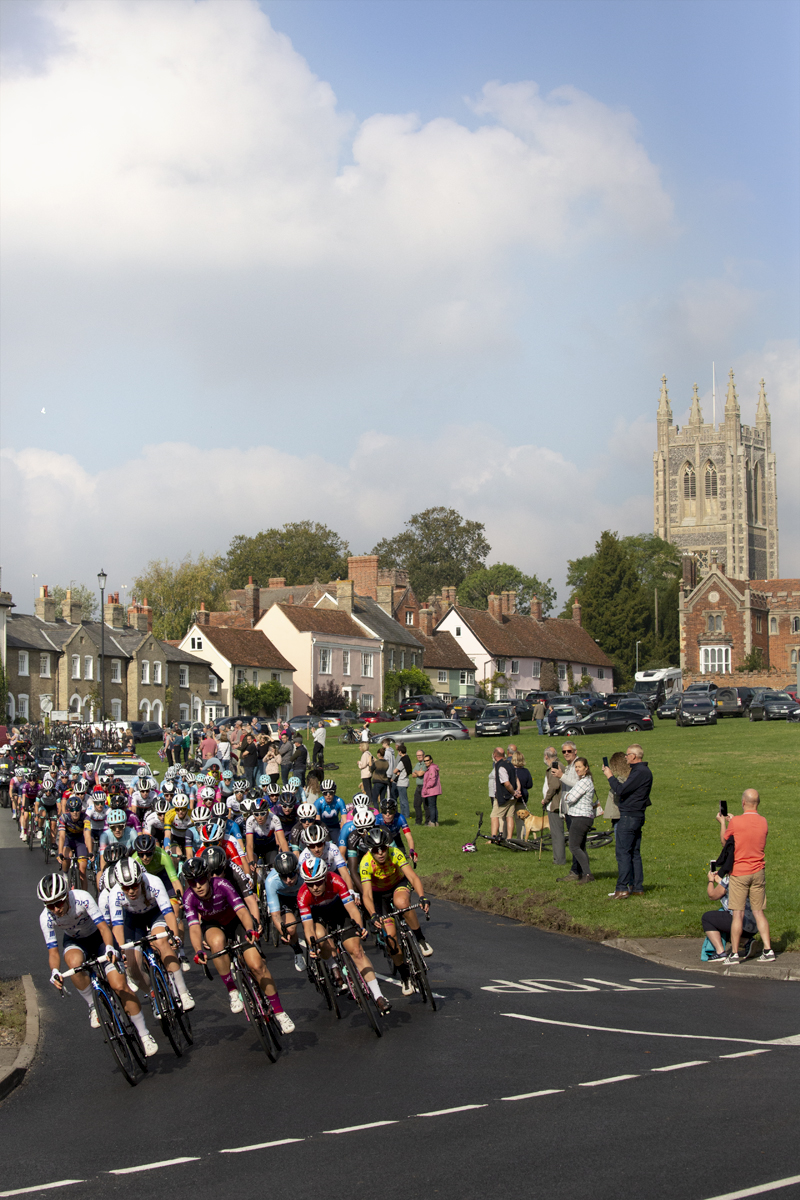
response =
{"points": [[338, 981], [586, 878], [426, 949], [237, 1003], [149, 1045], [383, 1006], [721, 957], [185, 966], [406, 986], [21, 836], [619, 895], [94, 1020], [133, 986], [732, 959], [284, 1022], [186, 1002], [745, 948], [766, 956], [299, 962]]}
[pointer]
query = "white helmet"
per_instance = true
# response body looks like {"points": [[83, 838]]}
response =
{"points": [[128, 872], [307, 812], [363, 818], [207, 794], [201, 814], [53, 889]]}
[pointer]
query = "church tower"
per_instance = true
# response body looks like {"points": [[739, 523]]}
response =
{"points": [[715, 489]]}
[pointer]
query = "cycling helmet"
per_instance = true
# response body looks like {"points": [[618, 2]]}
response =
{"points": [[226, 775], [74, 805], [108, 773], [168, 787], [207, 794], [107, 879], [246, 806], [201, 814], [210, 777], [19, 773], [361, 800], [47, 777], [128, 872], [219, 809], [313, 870], [273, 789], [52, 889], [240, 785], [145, 844], [180, 802], [215, 859], [307, 812], [162, 805], [254, 794], [117, 816], [74, 770], [183, 772], [292, 784], [328, 785], [171, 772], [363, 819], [285, 864], [114, 854], [263, 781], [377, 839], [48, 785], [195, 870], [314, 835], [142, 773], [212, 833], [145, 784], [388, 805]]}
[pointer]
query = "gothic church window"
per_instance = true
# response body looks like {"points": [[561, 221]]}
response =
{"points": [[711, 482], [689, 484]]}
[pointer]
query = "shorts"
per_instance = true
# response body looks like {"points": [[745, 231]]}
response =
{"points": [[50, 810], [384, 900], [136, 925], [92, 946], [167, 882], [234, 930], [332, 916], [742, 886], [505, 810], [76, 845]]}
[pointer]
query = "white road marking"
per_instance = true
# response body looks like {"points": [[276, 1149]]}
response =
{"points": [[355, 1128], [619, 987], [759, 1190], [611, 1079], [42, 1187], [260, 1146], [398, 983], [744, 1053], [531, 1095], [697, 1062], [692, 1037], [167, 1162], [440, 1112]]}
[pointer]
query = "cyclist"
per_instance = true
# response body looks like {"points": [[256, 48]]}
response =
{"points": [[219, 864], [86, 935], [316, 845], [154, 821], [139, 905], [264, 835], [396, 826], [143, 797], [48, 807], [331, 809], [385, 875], [15, 793], [306, 815], [352, 844], [156, 861], [216, 914], [72, 837], [233, 830], [117, 832], [29, 797], [178, 824], [326, 904], [284, 805], [213, 834], [281, 886]]}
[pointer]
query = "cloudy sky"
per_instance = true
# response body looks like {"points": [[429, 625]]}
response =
{"points": [[345, 259]]}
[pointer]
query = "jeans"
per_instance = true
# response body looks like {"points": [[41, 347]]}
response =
{"points": [[379, 790], [578, 829], [248, 773], [284, 771], [402, 802], [630, 877], [540, 724], [432, 805]]}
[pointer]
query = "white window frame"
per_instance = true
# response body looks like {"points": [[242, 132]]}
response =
{"points": [[184, 711], [213, 687], [276, 677], [196, 643], [515, 666], [402, 660], [183, 676], [471, 677], [409, 616], [367, 701], [367, 664], [24, 663], [325, 661], [156, 672], [255, 678], [116, 671], [715, 660], [345, 662], [562, 670], [88, 666], [442, 677], [144, 672], [601, 674], [536, 670], [501, 665], [462, 678], [23, 707], [44, 666], [241, 675], [391, 660], [793, 656], [76, 666], [116, 709]]}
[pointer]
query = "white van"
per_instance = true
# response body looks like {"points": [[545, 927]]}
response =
{"points": [[655, 687]]}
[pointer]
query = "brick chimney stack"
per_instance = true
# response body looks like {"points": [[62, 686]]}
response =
{"points": [[252, 601], [71, 610], [114, 612], [576, 613], [344, 594], [449, 596], [689, 573], [509, 602], [362, 570], [202, 616], [277, 582], [536, 608], [148, 612], [426, 619], [45, 605], [384, 596], [496, 606]]}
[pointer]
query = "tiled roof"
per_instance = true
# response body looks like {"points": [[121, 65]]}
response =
{"points": [[173, 653], [521, 637], [323, 620], [443, 650], [29, 633], [781, 594], [247, 648], [382, 625]]}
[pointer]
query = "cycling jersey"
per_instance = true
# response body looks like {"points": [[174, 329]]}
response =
{"points": [[237, 876], [331, 855], [173, 820], [126, 839], [79, 921], [220, 905], [279, 893], [294, 836], [96, 816], [233, 830], [154, 824], [312, 907], [387, 876], [287, 820], [330, 812], [345, 832], [232, 852], [395, 827], [151, 894], [263, 831], [143, 799], [161, 863], [72, 824]]}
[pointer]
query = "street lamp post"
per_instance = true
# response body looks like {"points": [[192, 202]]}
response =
{"points": [[638, 644], [102, 579]]}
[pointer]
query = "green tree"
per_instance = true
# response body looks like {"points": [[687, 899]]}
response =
{"points": [[175, 590], [328, 696], [438, 548], [503, 577], [614, 605], [88, 600], [299, 552], [548, 677], [411, 677], [267, 698]]}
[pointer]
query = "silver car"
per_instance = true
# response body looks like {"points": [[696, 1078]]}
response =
{"points": [[437, 729]]}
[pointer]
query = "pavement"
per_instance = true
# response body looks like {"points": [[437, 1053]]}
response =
{"points": [[684, 955], [554, 1067]]}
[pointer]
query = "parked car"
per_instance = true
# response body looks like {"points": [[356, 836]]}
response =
{"points": [[412, 705], [497, 719], [146, 731], [535, 696], [701, 686], [560, 714], [373, 717], [669, 709], [523, 708], [614, 698], [302, 722], [439, 729], [468, 707], [579, 707], [772, 706], [732, 701], [607, 721], [696, 709], [339, 716], [632, 703]]}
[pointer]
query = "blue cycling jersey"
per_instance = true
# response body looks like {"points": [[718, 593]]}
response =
{"points": [[330, 811], [233, 830], [279, 892], [396, 826]]}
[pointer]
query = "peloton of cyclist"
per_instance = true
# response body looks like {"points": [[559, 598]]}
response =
{"points": [[385, 875]]}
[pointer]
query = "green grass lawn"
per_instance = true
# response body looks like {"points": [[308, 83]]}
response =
{"points": [[693, 768]]}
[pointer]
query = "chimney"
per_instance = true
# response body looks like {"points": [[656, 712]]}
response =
{"points": [[71, 610], [449, 596], [576, 613], [536, 608], [45, 605], [384, 597], [201, 616], [495, 606], [362, 569], [252, 601], [689, 573], [344, 594], [145, 608], [114, 612], [509, 602], [137, 617], [426, 619], [277, 582]]}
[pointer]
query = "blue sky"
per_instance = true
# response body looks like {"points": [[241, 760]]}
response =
{"points": [[344, 260]]}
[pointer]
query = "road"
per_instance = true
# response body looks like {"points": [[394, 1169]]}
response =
{"points": [[555, 1067]]}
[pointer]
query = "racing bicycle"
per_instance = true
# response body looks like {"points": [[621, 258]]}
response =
{"points": [[118, 1030], [164, 997]]}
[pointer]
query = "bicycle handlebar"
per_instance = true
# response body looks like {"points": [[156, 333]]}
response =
{"points": [[150, 937]]}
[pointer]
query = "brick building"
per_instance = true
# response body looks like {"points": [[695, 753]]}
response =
{"points": [[388, 588], [447, 665]]}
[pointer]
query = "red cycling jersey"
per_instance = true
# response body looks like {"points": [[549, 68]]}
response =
{"points": [[335, 889]]}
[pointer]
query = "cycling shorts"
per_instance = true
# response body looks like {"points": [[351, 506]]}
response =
{"points": [[50, 807], [333, 916], [167, 882], [136, 925], [92, 946], [234, 930], [384, 901], [77, 845]]}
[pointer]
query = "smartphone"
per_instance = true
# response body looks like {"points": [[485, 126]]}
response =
{"points": [[712, 866], [723, 808], [605, 761]]}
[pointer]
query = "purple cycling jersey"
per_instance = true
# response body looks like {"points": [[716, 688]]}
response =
{"points": [[219, 905]]}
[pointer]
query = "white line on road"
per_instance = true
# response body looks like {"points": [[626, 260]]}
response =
{"points": [[42, 1187], [167, 1162], [620, 987], [692, 1037], [697, 1062], [261, 1146], [440, 1112], [611, 1079], [759, 1190], [531, 1095], [744, 1053], [355, 1128]]}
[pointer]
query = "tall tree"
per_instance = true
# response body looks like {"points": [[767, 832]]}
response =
{"points": [[175, 590], [614, 604], [438, 548], [88, 600], [503, 577], [299, 552]]}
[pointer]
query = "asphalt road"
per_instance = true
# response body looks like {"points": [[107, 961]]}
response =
{"points": [[630, 1080]]}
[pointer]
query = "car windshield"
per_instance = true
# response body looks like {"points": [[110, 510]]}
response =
{"points": [[564, 710], [495, 710]]}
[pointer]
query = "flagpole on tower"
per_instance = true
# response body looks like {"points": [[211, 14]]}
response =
{"points": [[714, 395]]}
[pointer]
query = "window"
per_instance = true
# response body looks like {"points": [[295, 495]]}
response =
{"points": [[536, 670], [409, 616], [366, 700], [240, 676], [520, 694], [715, 658], [562, 670], [276, 676], [601, 673], [255, 678], [759, 623], [515, 666], [402, 660], [116, 671], [795, 624], [196, 710], [23, 662], [413, 659], [213, 684], [458, 631], [88, 667], [462, 678], [156, 672], [76, 666], [44, 666], [196, 643], [501, 693], [793, 658], [689, 484], [442, 677], [22, 706], [183, 676], [715, 623], [391, 660], [116, 710], [773, 624], [366, 668], [145, 675], [711, 483], [184, 712], [501, 666], [471, 677], [325, 657], [345, 662]]}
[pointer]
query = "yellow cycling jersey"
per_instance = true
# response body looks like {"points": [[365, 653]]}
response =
{"points": [[386, 876], [177, 819]]}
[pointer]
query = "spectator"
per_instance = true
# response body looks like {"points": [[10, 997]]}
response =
{"points": [[717, 924], [633, 798], [551, 803], [538, 715], [313, 790], [621, 769], [248, 757], [431, 789], [272, 762], [391, 760], [320, 734], [365, 769], [524, 785], [224, 749], [747, 880], [402, 774], [299, 762], [502, 789], [418, 774], [364, 736], [380, 775], [285, 751], [580, 804], [208, 748]]}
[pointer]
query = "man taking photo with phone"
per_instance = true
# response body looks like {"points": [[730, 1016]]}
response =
{"points": [[633, 798], [747, 879]]}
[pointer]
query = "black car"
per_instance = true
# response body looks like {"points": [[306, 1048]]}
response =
{"points": [[415, 704], [732, 701], [696, 709], [535, 696], [701, 687], [772, 706], [613, 720], [523, 708], [146, 731], [468, 707], [669, 709], [498, 718]]}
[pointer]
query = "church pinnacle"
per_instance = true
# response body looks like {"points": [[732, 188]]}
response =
{"points": [[664, 410], [732, 401], [696, 413], [762, 411]]}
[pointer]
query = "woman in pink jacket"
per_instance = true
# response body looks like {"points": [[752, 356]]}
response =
{"points": [[431, 790]]}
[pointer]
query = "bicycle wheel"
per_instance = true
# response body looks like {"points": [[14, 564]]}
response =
{"points": [[315, 976], [419, 972], [5, 798], [73, 874], [331, 994], [47, 842], [251, 996], [519, 844], [165, 1009], [360, 992], [601, 837], [115, 1035], [31, 832], [182, 1018]]}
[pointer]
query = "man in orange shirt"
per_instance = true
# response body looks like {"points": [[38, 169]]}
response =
{"points": [[747, 879]]}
